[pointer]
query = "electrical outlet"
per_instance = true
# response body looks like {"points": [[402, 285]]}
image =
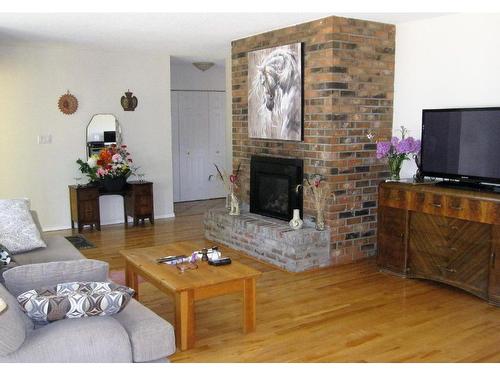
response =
{"points": [[45, 139]]}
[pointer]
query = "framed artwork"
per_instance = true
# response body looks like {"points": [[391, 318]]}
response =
{"points": [[275, 109]]}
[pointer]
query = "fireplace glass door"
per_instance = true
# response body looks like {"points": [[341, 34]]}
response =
{"points": [[273, 186]]}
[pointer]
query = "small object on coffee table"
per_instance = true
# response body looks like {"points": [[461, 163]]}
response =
{"points": [[186, 266], [220, 262], [171, 259], [204, 253]]}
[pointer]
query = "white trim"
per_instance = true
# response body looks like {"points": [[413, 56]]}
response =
{"points": [[130, 220]]}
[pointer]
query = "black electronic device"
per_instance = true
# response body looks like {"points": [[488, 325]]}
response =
{"points": [[220, 262], [462, 144]]}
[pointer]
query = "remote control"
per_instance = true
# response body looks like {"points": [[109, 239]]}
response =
{"points": [[220, 261]]}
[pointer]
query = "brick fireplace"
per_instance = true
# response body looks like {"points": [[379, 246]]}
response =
{"points": [[348, 92]]}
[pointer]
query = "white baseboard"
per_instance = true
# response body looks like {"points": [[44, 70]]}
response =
{"points": [[130, 220]]}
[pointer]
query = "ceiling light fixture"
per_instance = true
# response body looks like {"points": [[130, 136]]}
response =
{"points": [[203, 65]]}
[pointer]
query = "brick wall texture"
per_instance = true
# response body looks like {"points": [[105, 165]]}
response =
{"points": [[348, 93]]}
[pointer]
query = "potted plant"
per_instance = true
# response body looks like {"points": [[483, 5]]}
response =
{"points": [[396, 151], [111, 167]]}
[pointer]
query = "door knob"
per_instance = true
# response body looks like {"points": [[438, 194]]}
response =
{"points": [[188, 153], [217, 152]]}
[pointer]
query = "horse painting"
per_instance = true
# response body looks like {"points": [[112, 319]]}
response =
{"points": [[275, 93]]}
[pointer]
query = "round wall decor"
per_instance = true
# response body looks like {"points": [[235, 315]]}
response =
{"points": [[68, 103]]}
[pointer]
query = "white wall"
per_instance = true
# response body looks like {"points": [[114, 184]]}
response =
{"points": [[445, 62], [32, 79], [187, 77]]}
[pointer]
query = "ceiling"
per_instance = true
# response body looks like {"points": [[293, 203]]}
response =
{"points": [[189, 36]]}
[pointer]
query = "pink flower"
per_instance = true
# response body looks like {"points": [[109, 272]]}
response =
{"points": [[117, 158], [101, 172]]}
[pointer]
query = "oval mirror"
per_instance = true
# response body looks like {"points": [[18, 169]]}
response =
{"points": [[103, 130]]}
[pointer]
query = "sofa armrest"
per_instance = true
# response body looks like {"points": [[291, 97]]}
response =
{"points": [[34, 276]]}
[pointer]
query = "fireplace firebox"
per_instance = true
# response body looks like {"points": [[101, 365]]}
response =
{"points": [[273, 186]]}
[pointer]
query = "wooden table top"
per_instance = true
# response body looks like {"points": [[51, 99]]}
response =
{"points": [[170, 276]]}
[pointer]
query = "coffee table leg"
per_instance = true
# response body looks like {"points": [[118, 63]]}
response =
{"points": [[249, 316], [184, 319], [132, 280]]}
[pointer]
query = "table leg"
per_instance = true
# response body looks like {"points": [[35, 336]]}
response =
{"points": [[184, 319], [249, 316], [132, 280]]}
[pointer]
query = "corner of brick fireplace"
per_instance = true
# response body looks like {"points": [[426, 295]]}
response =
{"points": [[348, 92]]}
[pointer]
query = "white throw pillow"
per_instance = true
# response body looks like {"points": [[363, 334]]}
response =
{"points": [[18, 231]]}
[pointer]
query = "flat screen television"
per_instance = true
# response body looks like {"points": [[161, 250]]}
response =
{"points": [[461, 144]]}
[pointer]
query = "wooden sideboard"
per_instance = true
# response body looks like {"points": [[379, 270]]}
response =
{"points": [[441, 234], [84, 203]]}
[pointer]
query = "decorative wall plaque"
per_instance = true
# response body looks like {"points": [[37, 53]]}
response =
{"points": [[128, 101], [68, 103]]}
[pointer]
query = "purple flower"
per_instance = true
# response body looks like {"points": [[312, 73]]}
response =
{"points": [[418, 144], [383, 149], [406, 146], [395, 141]]}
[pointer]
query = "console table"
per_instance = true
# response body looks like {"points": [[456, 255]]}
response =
{"points": [[84, 203], [441, 234]]}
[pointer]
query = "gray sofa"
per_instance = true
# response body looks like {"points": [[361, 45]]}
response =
{"points": [[136, 334]]}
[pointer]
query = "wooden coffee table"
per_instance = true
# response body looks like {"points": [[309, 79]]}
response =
{"points": [[192, 285]]}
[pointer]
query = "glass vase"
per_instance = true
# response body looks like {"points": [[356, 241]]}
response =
{"points": [[320, 219], [395, 165]]}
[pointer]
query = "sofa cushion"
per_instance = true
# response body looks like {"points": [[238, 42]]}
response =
{"points": [[18, 231], [12, 325], [74, 300], [152, 337], [75, 340], [58, 249], [34, 276]]}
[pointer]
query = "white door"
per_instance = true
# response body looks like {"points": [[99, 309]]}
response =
{"points": [[175, 145], [216, 140], [193, 145]]}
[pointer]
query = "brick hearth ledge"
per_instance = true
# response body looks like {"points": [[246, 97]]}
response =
{"points": [[270, 240]]}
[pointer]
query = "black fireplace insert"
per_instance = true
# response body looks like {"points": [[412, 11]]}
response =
{"points": [[273, 186]]}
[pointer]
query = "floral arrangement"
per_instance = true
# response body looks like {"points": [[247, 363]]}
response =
{"points": [[317, 187], [397, 151], [111, 162], [229, 181]]}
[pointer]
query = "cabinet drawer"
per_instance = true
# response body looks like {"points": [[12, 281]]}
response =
{"points": [[142, 189], [468, 209], [88, 194], [393, 197], [429, 203]]}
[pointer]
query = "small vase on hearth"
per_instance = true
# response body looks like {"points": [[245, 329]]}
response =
{"points": [[320, 220], [296, 222]]}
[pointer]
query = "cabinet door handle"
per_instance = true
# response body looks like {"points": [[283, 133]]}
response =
{"points": [[456, 208], [493, 258], [437, 205]]}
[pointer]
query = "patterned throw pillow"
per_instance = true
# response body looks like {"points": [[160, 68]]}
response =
{"points": [[74, 300], [18, 231]]}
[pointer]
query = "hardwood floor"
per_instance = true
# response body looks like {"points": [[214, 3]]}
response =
{"points": [[351, 313]]}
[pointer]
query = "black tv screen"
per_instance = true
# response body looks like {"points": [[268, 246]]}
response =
{"points": [[461, 143]]}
